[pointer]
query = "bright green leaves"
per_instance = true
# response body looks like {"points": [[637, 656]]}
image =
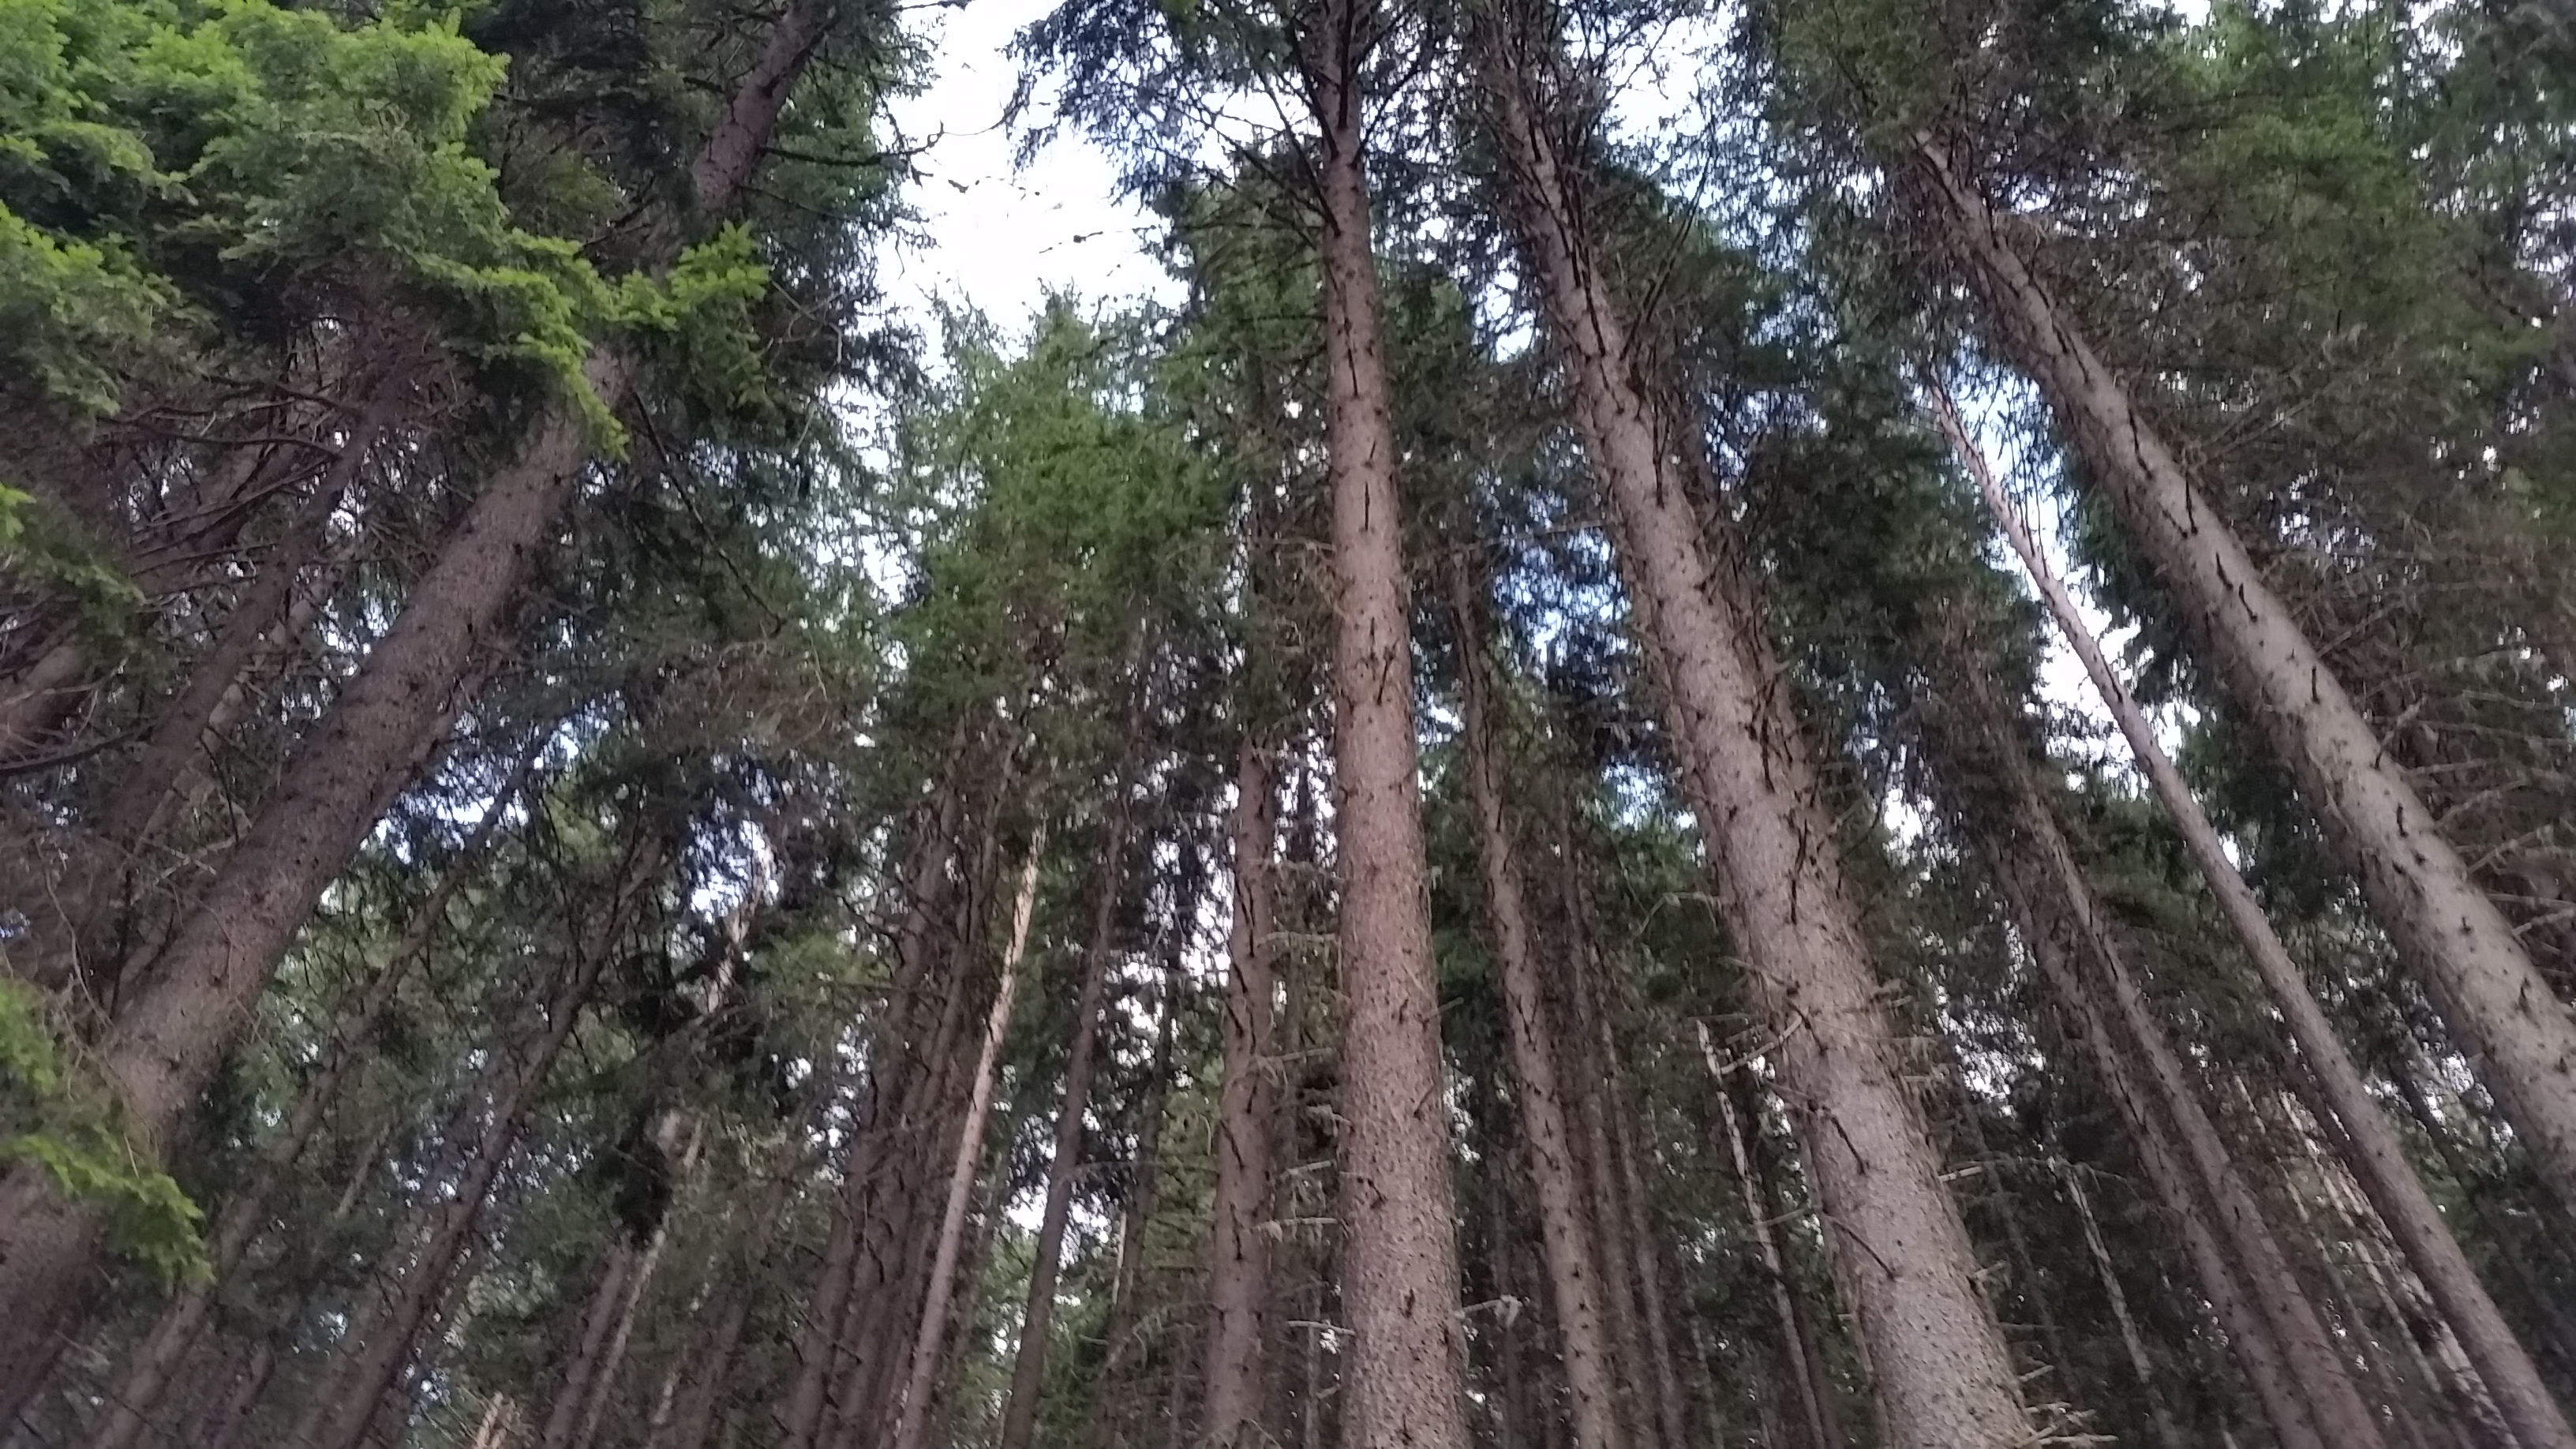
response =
{"points": [[50, 1117], [45, 548], [72, 315]]}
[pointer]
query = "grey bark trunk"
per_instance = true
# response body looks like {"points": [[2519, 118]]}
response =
{"points": [[1808, 1383], [1942, 1373], [2131, 1343], [2371, 1146], [2496, 1002], [1402, 1379]]}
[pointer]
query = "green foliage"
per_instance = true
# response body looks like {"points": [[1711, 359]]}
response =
{"points": [[49, 552], [49, 1117]]}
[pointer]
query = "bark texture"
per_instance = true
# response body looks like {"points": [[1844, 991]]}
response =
{"points": [[1402, 1380], [1238, 1251], [2496, 1002], [2370, 1145], [1943, 1376]]}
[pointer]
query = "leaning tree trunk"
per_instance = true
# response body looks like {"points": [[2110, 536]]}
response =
{"points": [[1565, 1239], [1402, 1379], [2131, 1343], [2372, 1148], [169, 1038], [1943, 1375], [2497, 1003], [1238, 1251], [929, 1345], [1809, 1383], [1028, 1369], [1986, 776]]}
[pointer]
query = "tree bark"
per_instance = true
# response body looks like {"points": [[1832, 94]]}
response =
{"points": [[1402, 1381], [2496, 1002], [930, 1342], [1028, 1369], [1238, 1252], [2371, 1147], [1564, 1237], [168, 1040], [1943, 1375]]}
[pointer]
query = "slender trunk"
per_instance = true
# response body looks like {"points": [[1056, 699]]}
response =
{"points": [[2497, 1004], [1565, 1242], [2069, 938], [2016, 1242], [246, 1212], [367, 1366], [170, 1036], [2372, 1148], [929, 1343], [1238, 1252], [608, 1319], [1402, 1379], [1804, 1370], [1942, 1372], [1605, 1217], [2167, 1433], [1028, 1369], [1645, 1258]]}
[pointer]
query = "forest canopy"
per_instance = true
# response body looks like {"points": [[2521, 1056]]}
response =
{"points": [[1810, 724]]}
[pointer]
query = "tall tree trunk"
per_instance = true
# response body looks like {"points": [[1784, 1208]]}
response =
{"points": [[1402, 1380], [1808, 1380], [2371, 1147], [2167, 1433], [171, 1035], [1564, 1238], [2497, 1004], [1037, 1323], [1238, 1252], [1605, 1214], [1989, 781], [1943, 1375], [246, 1211], [929, 1345], [626, 1272], [1645, 1259]]}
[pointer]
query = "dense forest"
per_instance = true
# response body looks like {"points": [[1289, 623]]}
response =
{"points": [[1808, 724]]}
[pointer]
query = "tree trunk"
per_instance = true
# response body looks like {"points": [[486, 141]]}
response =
{"points": [[1144, 1169], [1028, 1369], [1402, 1380], [1605, 1215], [1803, 1367], [170, 1037], [367, 1365], [245, 1212], [1988, 781], [2167, 1434], [2497, 1004], [1564, 1237], [2372, 1148], [1238, 1253], [930, 1342], [1943, 1375]]}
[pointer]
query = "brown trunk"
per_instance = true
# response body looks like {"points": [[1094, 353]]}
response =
{"points": [[1028, 1369], [1644, 1262], [2371, 1146], [1943, 1375], [1990, 1169], [2167, 1434], [2497, 1004], [1238, 1253], [1402, 1378], [1605, 1216], [608, 1318], [1989, 781], [246, 1212], [1807, 1380], [1564, 1237], [930, 1341], [171, 1035]]}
